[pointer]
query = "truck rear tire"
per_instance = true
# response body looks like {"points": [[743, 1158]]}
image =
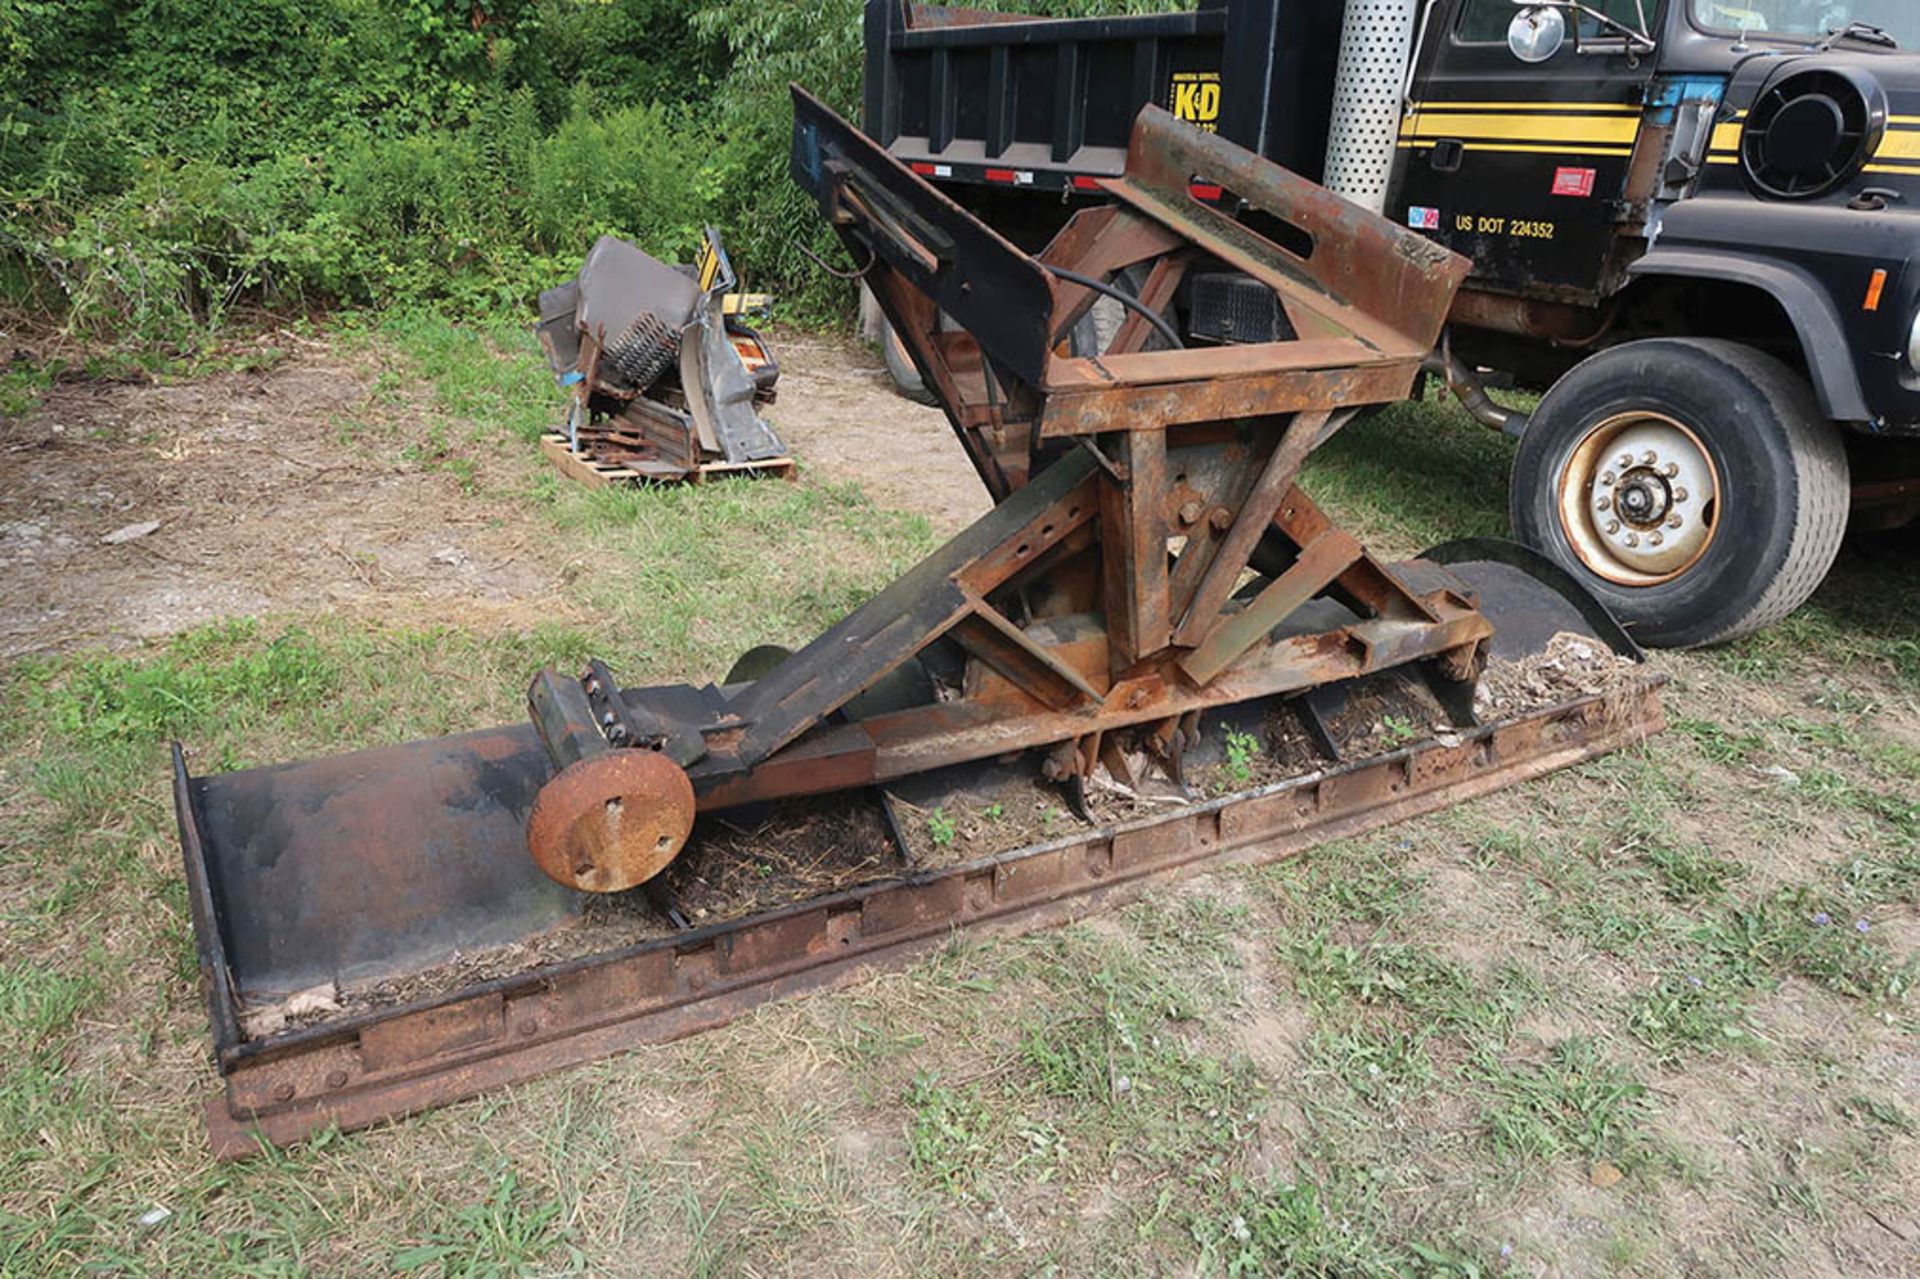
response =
{"points": [[906, 379], [1692, 484], [1088, 338]]}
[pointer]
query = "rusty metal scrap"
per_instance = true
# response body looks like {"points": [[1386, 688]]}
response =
{"points": [[666, 379]]}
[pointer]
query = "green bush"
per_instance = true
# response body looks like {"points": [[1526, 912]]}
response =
{"points": [[164, 160]]}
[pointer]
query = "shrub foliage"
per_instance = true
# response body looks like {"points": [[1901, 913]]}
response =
{"points": [[163, 160]]}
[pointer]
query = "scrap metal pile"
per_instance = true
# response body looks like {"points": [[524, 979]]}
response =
{"points": [[667, 380], [1152, 572]]}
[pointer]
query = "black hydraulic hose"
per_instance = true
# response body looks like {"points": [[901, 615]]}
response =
{"points": [[1101, 287]]}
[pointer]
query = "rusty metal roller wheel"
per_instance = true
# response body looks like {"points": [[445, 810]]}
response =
{"points": [[612, 821]]}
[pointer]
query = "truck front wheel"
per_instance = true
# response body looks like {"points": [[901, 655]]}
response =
{"points": [[1692, 484]]}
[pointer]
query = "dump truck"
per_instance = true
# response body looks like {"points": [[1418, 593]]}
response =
{"points": [[1156, 653], [1692, 224]]}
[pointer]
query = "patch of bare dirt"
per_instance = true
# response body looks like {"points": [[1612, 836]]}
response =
{"points": [[134, 511], [843, 420]]}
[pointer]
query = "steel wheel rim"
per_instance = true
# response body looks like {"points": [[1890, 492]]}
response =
{"points": [[1638, 499]]}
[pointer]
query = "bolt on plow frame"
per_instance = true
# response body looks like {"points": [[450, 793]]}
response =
{"points": [[480, 909]]}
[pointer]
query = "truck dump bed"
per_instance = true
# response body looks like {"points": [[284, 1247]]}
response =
{"points": [[1002, 99]]}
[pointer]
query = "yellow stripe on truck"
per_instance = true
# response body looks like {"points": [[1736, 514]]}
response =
{"points": [[1588, 108], [1558, 148], [1598, 130], [1899, 144]]}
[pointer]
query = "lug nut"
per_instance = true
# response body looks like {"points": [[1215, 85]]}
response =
{"points": [[1607, 479], [1656, 539], [1670, 470], [1626, 460], [1633, 539], [1649, 457], [1603, 504], [1674, 521], [1613, 526], [1679, 495]]}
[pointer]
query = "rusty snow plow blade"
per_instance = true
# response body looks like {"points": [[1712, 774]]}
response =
{"points": [[1155, 655]]}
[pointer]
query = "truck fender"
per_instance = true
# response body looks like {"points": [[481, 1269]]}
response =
{"points": [[1822, 340]]}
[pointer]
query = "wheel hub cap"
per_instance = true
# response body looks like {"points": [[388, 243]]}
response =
{"points": [[1639, 499]]}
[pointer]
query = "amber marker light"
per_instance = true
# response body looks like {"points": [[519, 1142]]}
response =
{"points": [[1875, 288]]}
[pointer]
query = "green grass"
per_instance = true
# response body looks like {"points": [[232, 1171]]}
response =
{"points": [[1575, 1102], [1403, 1054]]}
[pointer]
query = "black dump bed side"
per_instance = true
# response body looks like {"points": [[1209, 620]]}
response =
{"points": [[976, 96]]}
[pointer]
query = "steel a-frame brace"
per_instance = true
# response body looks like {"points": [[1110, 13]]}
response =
{"points": [[1151, 552]]}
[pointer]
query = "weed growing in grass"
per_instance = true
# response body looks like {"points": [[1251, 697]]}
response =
{"points": [[941, 827], [199, 676], [1690, 874], [1837, 791], [1871, 880], [489, 371], [38, 1008], [511, 1231], [950, 1135], [1796, 931], [1290, 1226], [787, 1174], [1750, 946], [1438, 993], [1691, 1012], [1719, 743], [1282, 1227], [1576, 1100], [1878, 1112], [1358, 881], [1242, 750], [1384, 1067]]}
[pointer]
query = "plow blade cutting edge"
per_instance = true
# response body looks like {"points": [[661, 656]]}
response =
{"points": [[1155, 636]]}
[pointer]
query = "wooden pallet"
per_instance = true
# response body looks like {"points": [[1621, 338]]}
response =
{"points": [[590, 471]]}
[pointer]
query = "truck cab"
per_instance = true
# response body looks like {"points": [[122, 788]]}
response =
{"points": [[1693, 226]]}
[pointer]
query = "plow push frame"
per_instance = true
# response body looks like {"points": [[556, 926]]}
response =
{"points": [[1150, 558]]}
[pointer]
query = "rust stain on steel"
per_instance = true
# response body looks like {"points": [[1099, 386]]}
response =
{"points": [[400, 1061]]}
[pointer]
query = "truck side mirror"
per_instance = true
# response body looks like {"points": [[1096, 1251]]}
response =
{"points": [[1536, 33]]}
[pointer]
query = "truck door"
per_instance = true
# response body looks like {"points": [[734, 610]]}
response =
{"points": [[1523, 167]]}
